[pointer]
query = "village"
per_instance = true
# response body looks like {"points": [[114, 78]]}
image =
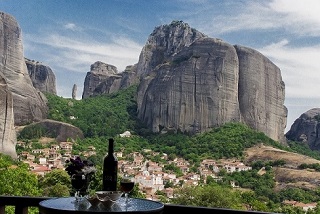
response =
{"points": [[149, 175]]}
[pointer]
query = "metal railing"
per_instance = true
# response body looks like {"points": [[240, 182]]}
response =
{"points": [[22, 203]]}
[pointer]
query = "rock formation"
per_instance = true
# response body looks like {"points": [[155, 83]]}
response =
{"points": [[194, 92], [29, 104], [42, 76], [74, 91], [306, 129], [164, 42], [8, 139], [60, 131], [104, 79], [261, 93], [192, 83]]}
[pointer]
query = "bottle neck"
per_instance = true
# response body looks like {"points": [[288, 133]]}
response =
{"points": [[111, 144]]}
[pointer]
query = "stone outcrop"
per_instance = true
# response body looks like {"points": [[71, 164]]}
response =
{"points": [[98, 74], [8, 138], [74, 91], [29, 104], [104, 79], [192, 83], [164, 42], [42, 76], [62, 132], [261, 93], [306, 129], [195, 92]]}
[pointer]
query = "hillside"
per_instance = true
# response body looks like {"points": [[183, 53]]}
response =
{"points": [[288, 175]]}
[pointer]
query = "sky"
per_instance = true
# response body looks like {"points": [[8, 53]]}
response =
{"points": [[69, 36]]}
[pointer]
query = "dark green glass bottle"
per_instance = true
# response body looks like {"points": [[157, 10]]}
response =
{"points": [[110, 169]]}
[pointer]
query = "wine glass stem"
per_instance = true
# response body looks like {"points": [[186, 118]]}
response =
{"points": [[126, 196], [76, 195]]}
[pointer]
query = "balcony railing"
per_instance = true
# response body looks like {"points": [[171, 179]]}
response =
{"points": [[22, 203]]}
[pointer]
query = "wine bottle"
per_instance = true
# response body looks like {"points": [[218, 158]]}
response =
{"points": [[110, 169]]}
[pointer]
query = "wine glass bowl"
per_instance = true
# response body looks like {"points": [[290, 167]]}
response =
{"points": [[78, 182], [126, 186]]}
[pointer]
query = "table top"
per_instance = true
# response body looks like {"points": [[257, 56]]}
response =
{"points": [[68, 205]]}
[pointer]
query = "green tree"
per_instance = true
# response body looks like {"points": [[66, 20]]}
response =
{"points": [[19, 181], [208, 196], [55, 183]]}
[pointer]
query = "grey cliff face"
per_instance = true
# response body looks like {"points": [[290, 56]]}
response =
{"points": [[8, 138], [105, 79], [99, 72], [42, 76], [74, 91], [306, 129], [29, 104], [201, 83], [164, 42], [194, 92], [261, 93]]}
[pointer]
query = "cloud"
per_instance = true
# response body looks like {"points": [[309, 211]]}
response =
{"points": [[299, 67], [73, 53], [295, 17], [72, 26], [300, 17]]}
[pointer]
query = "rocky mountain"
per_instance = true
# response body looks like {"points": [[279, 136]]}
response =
{"points": [[104, 79], [29, 104], [306, 129], [192, 83], [42, 76]]}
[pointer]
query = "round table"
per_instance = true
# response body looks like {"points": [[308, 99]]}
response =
{"points": [[68, 205]]}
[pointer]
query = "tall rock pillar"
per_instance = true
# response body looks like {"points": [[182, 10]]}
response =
{"points": [[29, 104], [8, 139]]}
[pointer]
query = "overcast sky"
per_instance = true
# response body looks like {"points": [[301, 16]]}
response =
{"points": [[69, 36]]}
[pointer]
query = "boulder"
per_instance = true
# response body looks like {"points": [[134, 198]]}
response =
{"points": [[61, 131]]}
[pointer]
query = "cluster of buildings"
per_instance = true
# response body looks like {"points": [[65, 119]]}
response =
{"points": [[150, 175], [303, 206]]}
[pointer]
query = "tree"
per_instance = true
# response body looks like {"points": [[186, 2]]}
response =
{"points": [[57, 190], [56, 183], [18, 180], [208, 196]]}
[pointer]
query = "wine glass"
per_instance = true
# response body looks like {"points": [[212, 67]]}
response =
{"points": [[78, 182], [126, 186]]}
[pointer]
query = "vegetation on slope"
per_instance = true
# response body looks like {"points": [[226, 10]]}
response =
{"points": [[107, 116]]}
